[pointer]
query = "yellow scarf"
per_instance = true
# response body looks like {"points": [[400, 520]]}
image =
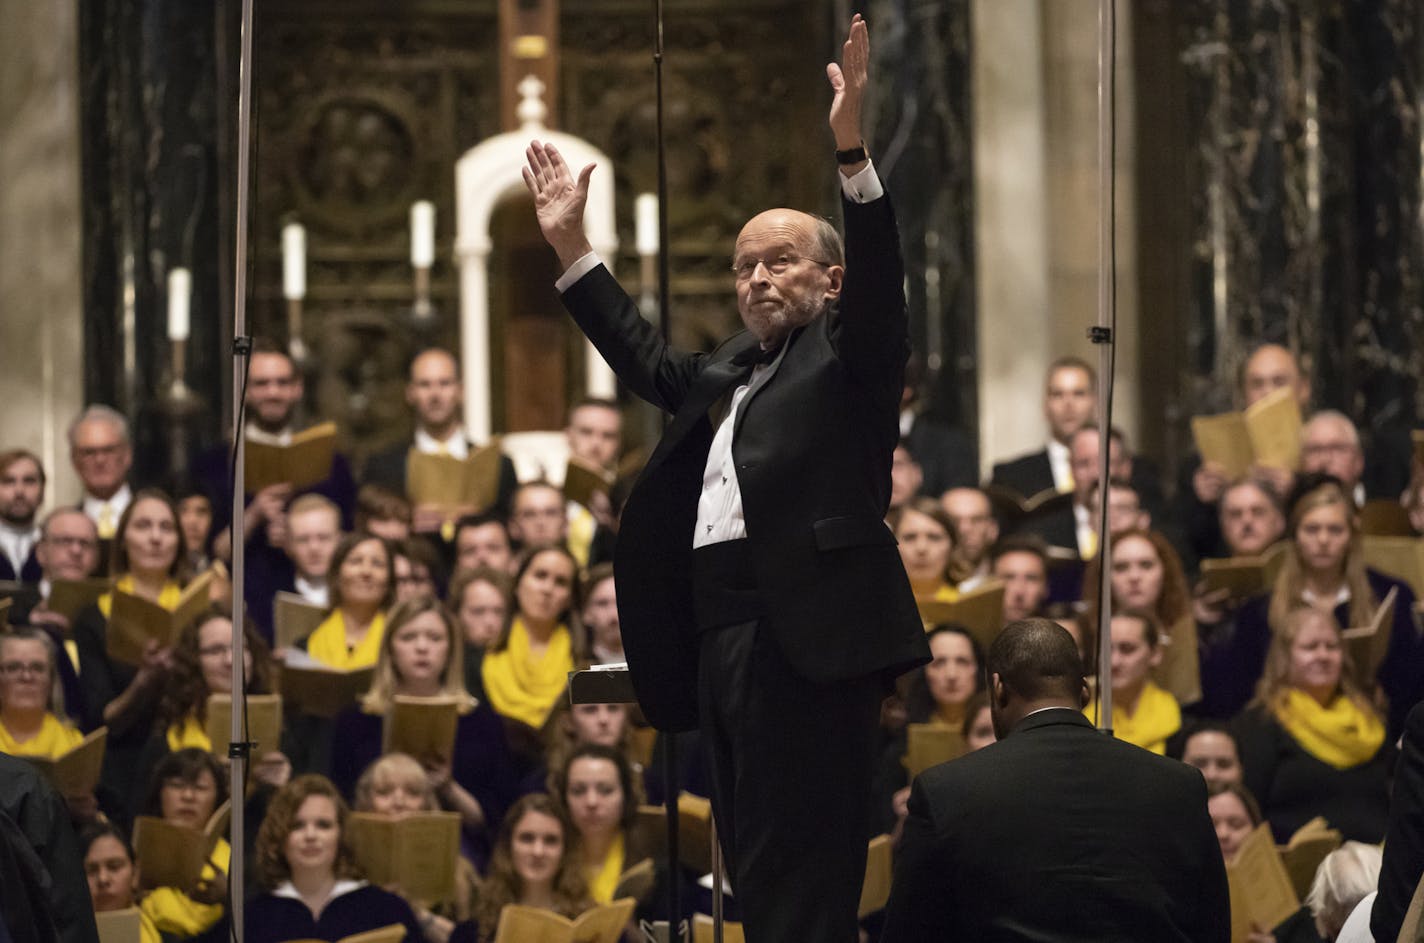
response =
{"points": [[174, 912], [189, 733], [948, 715], [1340, 734], [521, 686], [167, 597], [54, 739], [603, 878], [1156, 718], [581, 529], [328, 643]]}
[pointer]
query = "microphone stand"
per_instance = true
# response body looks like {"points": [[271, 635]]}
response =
{"points": [[1102, 335], [238, 747]]}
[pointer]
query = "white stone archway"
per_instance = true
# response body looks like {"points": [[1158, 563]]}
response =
{"points": [[485, 176]]}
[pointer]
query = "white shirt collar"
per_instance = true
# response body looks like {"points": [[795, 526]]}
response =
{"points": [[117, 503], [455, 445], [907, 422], [254, 434], [1342, 596], [343, 886], [1061, 464], [312, 592]]}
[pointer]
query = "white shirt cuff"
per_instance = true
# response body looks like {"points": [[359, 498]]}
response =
{"points": [[586, 263], [864, 187]]}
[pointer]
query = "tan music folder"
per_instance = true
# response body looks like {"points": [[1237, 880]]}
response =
{"points": [[1261, 890], [981, 611], [293, 618], [416, 851], [444, 481], [929, 745], [75, 772], [582, 480], [602, 924], [264, 723], [1369, 643], [423, 727], [304, 462], [133, 620]]}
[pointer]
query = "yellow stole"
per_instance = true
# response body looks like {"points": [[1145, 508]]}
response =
{"points": [[948, 715], [174, 912], [1340, 734], [521, 686], [1156, 718], [54, 739], [167, 597], [328, 643], [603, 878], [189, 733], [581, 528]]}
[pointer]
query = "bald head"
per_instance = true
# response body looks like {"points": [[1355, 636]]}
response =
{"points": [[1033, 664], [1269, 368], [788, 267]]}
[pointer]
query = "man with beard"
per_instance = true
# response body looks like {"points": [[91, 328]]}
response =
{"points": [[760, 594], [22, 484]]}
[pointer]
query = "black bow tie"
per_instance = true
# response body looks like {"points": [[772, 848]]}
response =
{"points": [[756, 355]]}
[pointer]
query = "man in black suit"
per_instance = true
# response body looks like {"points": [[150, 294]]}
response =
{"points": [[434, 392], [1055, 832], [1404, 842], [760, 593], [22, 484]]}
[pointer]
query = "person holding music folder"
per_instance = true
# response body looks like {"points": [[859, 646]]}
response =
{"points": [[112, 870], [533, 864], [421, 656], [101, 451], [312, 887], [972, 515], [760, 592], [148, 561], [1021, 564], [435, 393], [1142, 713], [1055, 831], [938, 693], [202, 666], [186, 788], [362, 585], [1312, 743], [1324, 567], [595, 435], [571, 726], [395, 785], [22, 487], [925, 535], [599, 790], [527, 667]]}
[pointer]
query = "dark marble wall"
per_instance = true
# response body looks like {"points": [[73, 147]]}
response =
{"points": [[1303, 126], [149, 166], [920, 123]]}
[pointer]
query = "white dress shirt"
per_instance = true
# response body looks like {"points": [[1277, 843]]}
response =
{"points": [[455, 446], [94, 507], [16, 543], [318, 594], [1062, 465]]}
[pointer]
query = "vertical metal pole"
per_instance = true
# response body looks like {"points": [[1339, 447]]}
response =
{"points": [[1103, 337], [237, 732], [716, 884]]}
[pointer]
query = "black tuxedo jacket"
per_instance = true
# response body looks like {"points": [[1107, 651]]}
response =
{"points": [[1058, 832], [387, 469], [1404, 843], [812, 446]]}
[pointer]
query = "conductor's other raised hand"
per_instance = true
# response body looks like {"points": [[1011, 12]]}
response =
{"points": [[848, 80], [559, 200]]}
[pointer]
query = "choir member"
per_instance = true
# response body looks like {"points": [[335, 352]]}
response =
{"points": [[480, 600], [926, 538], [482, 540], [186, 789], [311, 885], [972, 516], [112, 871], [599, 790], [1142, 713], [1211, 748], [362, 583], [600, 615], [22, 488]]}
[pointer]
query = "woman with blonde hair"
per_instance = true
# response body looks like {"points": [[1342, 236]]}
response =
{"points": [[1311, 742], [1324, 567], [397, 785], [312, 887], [421, 656]]}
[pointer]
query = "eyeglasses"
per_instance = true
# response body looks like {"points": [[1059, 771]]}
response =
{"points": [[72, 543], [175, 784], [100, 451], [744, 269], [17, 669]]}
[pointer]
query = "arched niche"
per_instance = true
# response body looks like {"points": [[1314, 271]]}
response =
{"points": [[486, 176]]}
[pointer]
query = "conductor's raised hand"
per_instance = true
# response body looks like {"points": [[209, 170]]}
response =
{"points": [[848, 80], [559, 200]]}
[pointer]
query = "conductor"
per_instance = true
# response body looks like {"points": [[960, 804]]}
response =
{"points": [[760, 593]]}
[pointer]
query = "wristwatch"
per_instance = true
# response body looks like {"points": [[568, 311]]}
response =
{"points": [[853, 155]]}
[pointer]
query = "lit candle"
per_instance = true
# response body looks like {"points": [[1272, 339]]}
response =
{"points": [[422, 234], [645, 218], [294, 262], [180, 291]]}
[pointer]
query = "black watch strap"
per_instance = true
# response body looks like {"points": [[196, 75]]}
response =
{"points": [[853, 155]]}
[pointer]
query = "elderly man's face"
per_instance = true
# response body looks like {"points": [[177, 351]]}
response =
{"points": [[69, 547], [781, 283], [101, 456], [1249, 521], [1329, 445]]}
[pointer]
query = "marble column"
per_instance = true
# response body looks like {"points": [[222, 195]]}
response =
{"points": [[40, 299]]}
